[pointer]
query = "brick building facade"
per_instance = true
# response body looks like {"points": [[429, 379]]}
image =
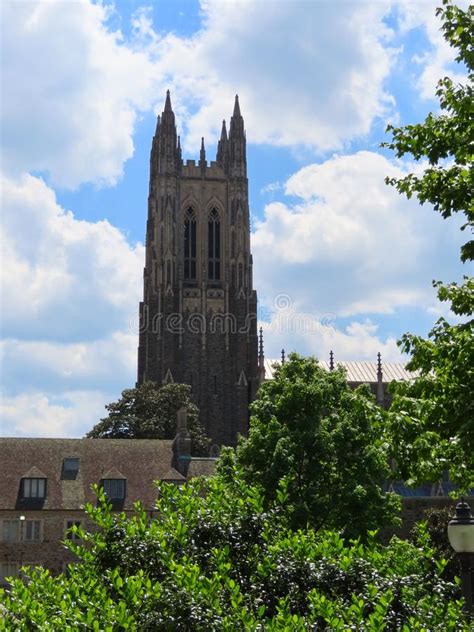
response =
{"points": [[46, 482], [198, 315]]}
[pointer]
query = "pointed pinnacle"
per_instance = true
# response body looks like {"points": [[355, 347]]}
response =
{"points": [[168, 102], [379, 366], [224, 131], [237, 106], [202, 144]]}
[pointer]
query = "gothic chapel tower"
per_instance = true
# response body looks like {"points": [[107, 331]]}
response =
{"points": [[198, 315]]}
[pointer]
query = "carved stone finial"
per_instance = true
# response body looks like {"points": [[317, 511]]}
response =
{"points": [[260, 343], [379, 367], [283, 356], [331, 360], [202, 154]]}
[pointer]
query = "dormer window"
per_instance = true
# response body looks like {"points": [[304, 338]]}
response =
{"points": [[114, 488], [34, 488], [71, 464], [70, 468]]}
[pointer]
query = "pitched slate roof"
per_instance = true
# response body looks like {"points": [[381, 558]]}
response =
{"points": [[139, 461], [359, 372], [201, 466]]}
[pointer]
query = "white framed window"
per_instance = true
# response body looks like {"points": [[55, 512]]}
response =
{"points": [[32, 531], [11, 530], [34, 488]]}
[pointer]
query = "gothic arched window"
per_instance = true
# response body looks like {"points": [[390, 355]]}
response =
{"points": [[214, 246], [190, 245]]}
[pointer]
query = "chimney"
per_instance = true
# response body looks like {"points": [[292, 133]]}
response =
{"points": [[182, 442]]}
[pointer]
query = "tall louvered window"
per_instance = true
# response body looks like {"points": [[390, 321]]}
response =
{"points": [[190, 246], [114, 488], [214, 246]]}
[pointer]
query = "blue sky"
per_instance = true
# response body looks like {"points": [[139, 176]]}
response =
{"points": [[340, 260]]}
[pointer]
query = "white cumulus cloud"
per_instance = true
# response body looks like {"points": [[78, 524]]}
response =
{"points": [[311, 335], [70, 292], [437, 62], [308, 73], [38, 414], [350, 245], [71, 91], [62, 277]]}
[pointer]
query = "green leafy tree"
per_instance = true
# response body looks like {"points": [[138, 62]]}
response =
{"points": [[150, 412], [433, 531], [445, 140], [310, 429], [217, 559], [432, 422]]}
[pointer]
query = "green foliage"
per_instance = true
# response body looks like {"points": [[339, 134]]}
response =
{"points": [[311, 430], [217, 559], [434, 529], [149, 412], [431, 426], [445, 140], [431, 422]]}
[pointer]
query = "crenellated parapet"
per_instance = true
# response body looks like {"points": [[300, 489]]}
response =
{"points": [[193, 169]]}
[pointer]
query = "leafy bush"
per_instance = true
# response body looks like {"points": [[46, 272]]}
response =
{"points": [[435, 527], [220, 560], [326, 440]]}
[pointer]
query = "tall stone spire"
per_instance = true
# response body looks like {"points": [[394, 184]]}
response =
{"points": [[237, 106], [237, 144], [165, 149], [223, 132], [222, 147], [168, 107]]}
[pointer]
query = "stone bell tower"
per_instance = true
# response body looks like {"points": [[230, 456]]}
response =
{"points": [[198, 315]]}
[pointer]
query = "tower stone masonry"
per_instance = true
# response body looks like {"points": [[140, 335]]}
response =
{"points": [[198, 314]]}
